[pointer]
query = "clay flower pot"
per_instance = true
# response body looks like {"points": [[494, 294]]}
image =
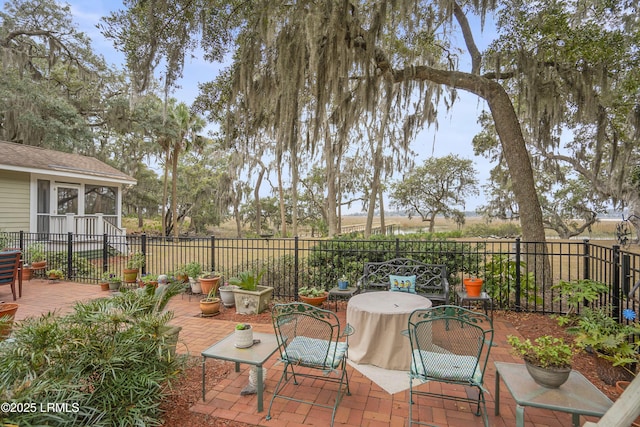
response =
{"points": [[473, 286]]}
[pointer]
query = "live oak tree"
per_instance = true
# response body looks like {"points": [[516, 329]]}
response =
{"points": [[577, 92], [440, 186], [52, 83], [318, 68]]}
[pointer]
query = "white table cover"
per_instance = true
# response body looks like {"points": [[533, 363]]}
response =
{"points": [[378, 318]]}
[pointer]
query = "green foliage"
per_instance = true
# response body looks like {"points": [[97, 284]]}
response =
{"points": [[577, 292], [54, 272], [80, 266], [504, 230], [617, 342], [311, 291], [111, 356], [500, 280], [247, 280], [438, 187], [347, 257], [192, 269], [242, 326], [547, 351], [136, 260], [34, 253]]}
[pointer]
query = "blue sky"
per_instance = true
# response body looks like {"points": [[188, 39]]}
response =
{"points": [[453, 136]]}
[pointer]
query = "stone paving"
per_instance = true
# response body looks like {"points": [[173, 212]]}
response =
{"points": [[368, 405]]}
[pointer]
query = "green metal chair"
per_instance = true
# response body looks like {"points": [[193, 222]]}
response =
{"points": [[311, 346], [449, 344]]}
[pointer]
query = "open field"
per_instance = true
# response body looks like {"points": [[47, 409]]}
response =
{"points": [[604, 229]]}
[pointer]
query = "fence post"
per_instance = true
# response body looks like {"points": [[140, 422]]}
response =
{"points": [[69, 255], [518, 276], [143, 249], [615, 285], [213, 253], [22, 248], [397, 247], [626, 274], [105, 253], [586, 267], [296, 260]]}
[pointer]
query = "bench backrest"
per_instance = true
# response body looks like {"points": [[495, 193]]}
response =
{"points": [[431, 279]]}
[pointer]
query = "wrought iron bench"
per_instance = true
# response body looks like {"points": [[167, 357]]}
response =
{"points": [[431, 279]]}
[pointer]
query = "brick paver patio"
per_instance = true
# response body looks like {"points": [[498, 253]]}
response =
{"points": [[369, 405]]}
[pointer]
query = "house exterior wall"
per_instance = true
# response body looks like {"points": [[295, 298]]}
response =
{"points": [[14, 201]]}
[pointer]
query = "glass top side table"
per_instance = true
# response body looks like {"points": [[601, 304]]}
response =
{"points": [[577, 396]]}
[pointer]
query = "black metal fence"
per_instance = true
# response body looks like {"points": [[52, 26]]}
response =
{"points": [[519, 275]]}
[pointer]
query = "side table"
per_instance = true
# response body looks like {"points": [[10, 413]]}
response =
{"points": [[255, 355], [336, 293], [483, 297], [577, 396]]}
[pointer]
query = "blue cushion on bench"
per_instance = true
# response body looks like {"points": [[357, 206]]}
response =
{"points": [[403, 283]]}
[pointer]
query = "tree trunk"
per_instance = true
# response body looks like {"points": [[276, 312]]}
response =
{"points": [[383, 225], [174, 193], [283, 214], [509, 132], [256, 197]]}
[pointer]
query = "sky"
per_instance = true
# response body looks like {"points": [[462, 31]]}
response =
{"points": [[453, 136]]}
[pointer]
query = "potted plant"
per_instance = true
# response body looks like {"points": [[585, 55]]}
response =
{"points": [[193, 270], [614, 344], [106, 277], [7, 314], [114, 282], [226, 294], [181, 274], [134, 263], [35, 256], [209, 281], [210, 305], [312, 295], [55, 274], [148, 279], [243, 335], [343, 283], [250, 297], [473, 286], [548, 359]]}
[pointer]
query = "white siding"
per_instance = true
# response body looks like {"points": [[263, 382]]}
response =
{"points": [[14, 201]]}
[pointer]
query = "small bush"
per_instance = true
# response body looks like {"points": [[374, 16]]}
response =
{"points": [[109, 360]]}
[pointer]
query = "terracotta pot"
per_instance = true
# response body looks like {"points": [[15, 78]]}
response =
{"points": [[473, 286], [104, 286], [315, 301], [26, 273], [209, 284], [38, 265], [210, 307], [9, 310]]}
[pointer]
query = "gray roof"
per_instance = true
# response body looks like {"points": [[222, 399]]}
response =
{"points": [[35, 159]]}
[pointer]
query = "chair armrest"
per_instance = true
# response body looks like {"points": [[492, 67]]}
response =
{"points": [[347, 331]]}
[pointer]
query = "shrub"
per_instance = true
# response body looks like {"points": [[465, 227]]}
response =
{"points": [[110, 357]]}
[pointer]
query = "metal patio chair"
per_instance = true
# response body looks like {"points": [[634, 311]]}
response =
{"points": [[311, 346], [9, 264], [449, 344]]}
